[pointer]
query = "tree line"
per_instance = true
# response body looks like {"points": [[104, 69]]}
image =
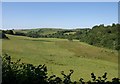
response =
{"points": [[100, 35]]}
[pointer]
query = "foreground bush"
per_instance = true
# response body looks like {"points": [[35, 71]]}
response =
{"points": [[16, 73], [21, 73]]}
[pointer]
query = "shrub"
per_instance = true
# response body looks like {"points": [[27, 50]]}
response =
{"points": [[21, 73], [20, 34], [17, 73], [9, 32], [3, 36]]}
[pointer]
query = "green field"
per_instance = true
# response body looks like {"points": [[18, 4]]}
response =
{"points": [[61, 54]]}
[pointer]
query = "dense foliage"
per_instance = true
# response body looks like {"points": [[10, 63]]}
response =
{"points": [[3, 36], [21, 73], [8, 32], [103, 36]]}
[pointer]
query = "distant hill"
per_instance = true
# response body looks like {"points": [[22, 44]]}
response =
{"points": [[99, 35]]}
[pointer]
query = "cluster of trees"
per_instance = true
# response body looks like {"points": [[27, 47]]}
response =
{"points": [[21, 73], [2, 35], [102, 36], [4, 32], [8, 32], [99, 35], [58, 34]]}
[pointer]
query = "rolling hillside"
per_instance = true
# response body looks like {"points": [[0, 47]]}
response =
{"points": [[43, 31], [63, 55]]}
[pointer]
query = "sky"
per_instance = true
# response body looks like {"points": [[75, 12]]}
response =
{"points": [[60, 0], [20, 15]]}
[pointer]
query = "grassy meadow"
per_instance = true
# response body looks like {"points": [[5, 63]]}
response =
{"points": [[63, 55]]}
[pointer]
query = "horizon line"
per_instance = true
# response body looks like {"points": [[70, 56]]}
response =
{"points": [[17, 28]]}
